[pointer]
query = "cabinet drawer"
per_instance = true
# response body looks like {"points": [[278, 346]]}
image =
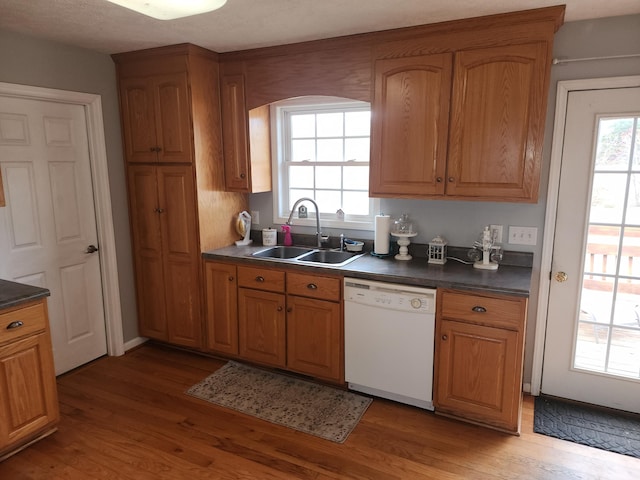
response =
{"points": [[22, 321], [499, 312], [260, 278], [325, 288]]}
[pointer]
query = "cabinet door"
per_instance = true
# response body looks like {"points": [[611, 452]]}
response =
{"points": [[147, 251], [234, 133], [410, 125], [173, 118], [478, 373], [28, 396], [181, 255], [138, 119], [314, 337], [497, 122], [261, 326], [222, 307]]}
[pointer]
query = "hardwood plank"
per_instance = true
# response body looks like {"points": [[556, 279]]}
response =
{"points": [[129, 418]]}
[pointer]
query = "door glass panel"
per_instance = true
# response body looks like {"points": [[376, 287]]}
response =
{"points": [[608, 330]]}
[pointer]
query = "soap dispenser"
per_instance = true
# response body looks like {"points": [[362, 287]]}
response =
{"points": [[288, 241]]}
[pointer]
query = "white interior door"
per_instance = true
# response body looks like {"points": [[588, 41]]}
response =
{"points": [[592, 345], [49, 222]]}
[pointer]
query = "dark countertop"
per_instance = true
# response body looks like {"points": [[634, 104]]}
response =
{"points": [[506, 280], [12, 293]]}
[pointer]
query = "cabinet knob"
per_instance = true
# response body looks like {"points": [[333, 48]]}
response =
{"points": [[279, 308], [479, 309], [160, 210], [290, 309], [451, 179], [312, 286], [243, 175], [444, 337], [260, 279], [439, 179], [231, 278]]}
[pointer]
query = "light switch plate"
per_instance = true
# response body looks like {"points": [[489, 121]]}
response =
{"points": [[255, 217], [523, 235], [496, 233]]}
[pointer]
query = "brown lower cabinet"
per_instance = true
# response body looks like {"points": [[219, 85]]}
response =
{"points": [[479, 358], [277, 318], [28, 393]]}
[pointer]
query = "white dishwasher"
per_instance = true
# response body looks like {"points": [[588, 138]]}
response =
{"points": [[389, 340]]}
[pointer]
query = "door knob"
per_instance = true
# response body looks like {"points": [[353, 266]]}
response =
{"points": [[561, 277], [91, 249]]}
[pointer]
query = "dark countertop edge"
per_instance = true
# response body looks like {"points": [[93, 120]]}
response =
{"points": [[13, 293], [507, 280]]}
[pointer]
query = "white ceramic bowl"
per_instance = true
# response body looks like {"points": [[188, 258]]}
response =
{"points": [[354, 247]]}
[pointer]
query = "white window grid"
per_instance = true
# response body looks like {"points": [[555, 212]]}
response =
{"points": [[282, 154]]}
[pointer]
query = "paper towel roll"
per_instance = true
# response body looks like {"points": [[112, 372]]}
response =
{"points": [[382, 229]]}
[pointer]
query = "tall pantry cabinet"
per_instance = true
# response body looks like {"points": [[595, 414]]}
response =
{"points": [[178, 206]]}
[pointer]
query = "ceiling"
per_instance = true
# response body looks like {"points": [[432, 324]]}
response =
{"points": [[241, 24]]}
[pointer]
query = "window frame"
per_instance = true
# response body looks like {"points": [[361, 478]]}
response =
{"points": [[280, 143]]}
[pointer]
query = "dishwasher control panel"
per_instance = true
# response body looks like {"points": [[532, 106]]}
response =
{"points": [[392, 296]]}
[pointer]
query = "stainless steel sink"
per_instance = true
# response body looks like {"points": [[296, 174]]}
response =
{"points": [[329, 256], [307, 255], [282, 252]]}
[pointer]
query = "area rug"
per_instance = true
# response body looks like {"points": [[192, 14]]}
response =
{"points": [[593, 426], [319, 410]]}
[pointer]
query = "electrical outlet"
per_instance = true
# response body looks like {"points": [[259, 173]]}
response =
{"points": [[496, 233], [523, 235], [255, 217]]}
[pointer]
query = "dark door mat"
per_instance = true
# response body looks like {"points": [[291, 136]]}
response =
{"points": [[593, 426]]}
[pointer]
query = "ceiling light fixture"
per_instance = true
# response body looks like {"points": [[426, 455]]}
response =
{"points": [[170, 9]]}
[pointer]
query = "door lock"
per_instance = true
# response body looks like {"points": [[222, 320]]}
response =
{"points": [[561, 277]]}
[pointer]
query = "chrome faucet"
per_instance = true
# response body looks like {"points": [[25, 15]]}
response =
{"points": [[293, 209]]}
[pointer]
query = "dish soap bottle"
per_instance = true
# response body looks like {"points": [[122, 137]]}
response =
{"points": [[288, 241]]}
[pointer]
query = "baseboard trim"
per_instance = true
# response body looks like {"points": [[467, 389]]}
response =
{"points": [[135, 342]]}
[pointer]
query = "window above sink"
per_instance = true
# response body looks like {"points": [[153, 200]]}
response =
{"points": [[321, 151]]}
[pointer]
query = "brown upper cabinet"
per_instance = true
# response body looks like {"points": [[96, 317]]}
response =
{"points": [[458, 108], [409, 125], [246, 139], [156, 118], [487, 102]]}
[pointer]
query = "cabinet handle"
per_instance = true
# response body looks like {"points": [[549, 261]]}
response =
{"points": [[439, 179], [479, 309], [260, 279], [451, 179], [231, 278], [243, 175], [312, 286], [16, 324], [444, 337]]}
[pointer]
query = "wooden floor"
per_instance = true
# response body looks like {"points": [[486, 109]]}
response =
{"points": [[128, 418]]}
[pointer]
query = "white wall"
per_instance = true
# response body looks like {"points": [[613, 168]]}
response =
{"points": [[461, 222]]}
